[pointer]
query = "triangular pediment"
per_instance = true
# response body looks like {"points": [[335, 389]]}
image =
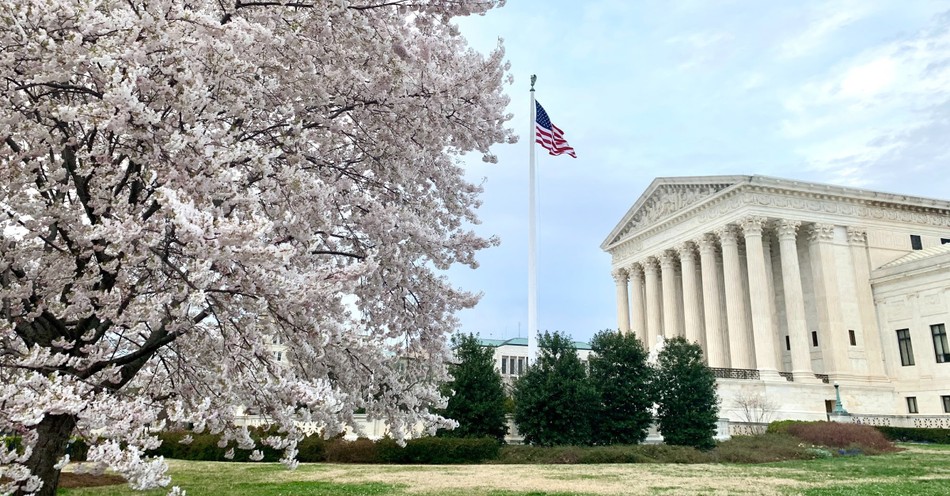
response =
{"points": [[666, 197]]}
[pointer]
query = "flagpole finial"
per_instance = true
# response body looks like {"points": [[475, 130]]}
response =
{"points": [[533, 79]]}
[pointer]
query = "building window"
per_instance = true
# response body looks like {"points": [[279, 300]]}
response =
{"points": [[788, 344], [907, 350], [915, 242], [852, 338], [512, 365], [911, 404], [940, 343], [944, 241], [814, 338], [946, 403]]}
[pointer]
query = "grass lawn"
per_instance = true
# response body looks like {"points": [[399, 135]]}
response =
{"points": [[919, 470]]}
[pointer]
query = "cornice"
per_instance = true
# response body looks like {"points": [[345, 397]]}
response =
{"points": [[807, 198]]}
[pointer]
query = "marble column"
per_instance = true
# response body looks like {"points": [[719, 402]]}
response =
{"points": [[670, 303], [692, 311], [870, 332], [794, 301], [832, 335], [771, 251], [638, 316], [651, 269], [740, 335], [623, 300], [759, 291], [716, 338]]}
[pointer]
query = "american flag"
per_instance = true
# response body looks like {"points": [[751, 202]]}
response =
{"points": [[549, 136]]}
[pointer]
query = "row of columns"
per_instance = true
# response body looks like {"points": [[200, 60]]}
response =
{"points": [[746, 337]]}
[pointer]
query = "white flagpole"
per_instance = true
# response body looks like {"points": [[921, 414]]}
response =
{"points": [[532, 239]]}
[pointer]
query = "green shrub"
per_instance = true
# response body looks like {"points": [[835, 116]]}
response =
{"points": [[204, 447], [77, 449], [476, 393], [641, 453], [843, 436], [685, 393], [554, 400], [781, 426], [526, 454], [622, 379], [916, 434], [669, 453], [439, 450], [614, 454], [768, 447], [12, 443], [361, 450], [313, 449]]}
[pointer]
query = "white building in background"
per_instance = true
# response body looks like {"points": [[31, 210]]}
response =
{"points": [[791, 286], [511, 355]]}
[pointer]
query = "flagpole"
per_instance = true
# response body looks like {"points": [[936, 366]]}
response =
{"points": [[532, 239]]}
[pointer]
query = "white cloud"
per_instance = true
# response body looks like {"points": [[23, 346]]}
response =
{"points": [[700, 48], [869, 79], [868, 110], [826, 21]]}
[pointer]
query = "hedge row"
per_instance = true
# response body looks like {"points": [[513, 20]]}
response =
{"points": [[916, 435], [76, 449], [314, 449]]}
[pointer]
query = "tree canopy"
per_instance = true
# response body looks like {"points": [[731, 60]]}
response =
{"points": [[182, 182], [476, 394]]}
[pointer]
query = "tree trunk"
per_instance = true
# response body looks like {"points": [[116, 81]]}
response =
{"points": [[54, 432]]}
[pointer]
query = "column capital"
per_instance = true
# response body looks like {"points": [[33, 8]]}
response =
{"points": [[687, 251], [787, 229], [651, 265], [728, 234], [635, 269], [857, 235], [821, 232], [707, 243], [667, 258], [619, 275], [753, 225]]}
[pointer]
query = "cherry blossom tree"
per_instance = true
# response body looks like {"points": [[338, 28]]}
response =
{"points": [[184, 181]]}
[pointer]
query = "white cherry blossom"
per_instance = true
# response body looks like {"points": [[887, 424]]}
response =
{"points": [[182, 181]]}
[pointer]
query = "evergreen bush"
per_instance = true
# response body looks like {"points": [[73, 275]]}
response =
{"points": [[916, 434], [476, 394], [687, 403], [554, 401], [622, 379]]}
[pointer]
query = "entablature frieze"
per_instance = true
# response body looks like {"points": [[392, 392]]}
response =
{"points": [[800, 206]]}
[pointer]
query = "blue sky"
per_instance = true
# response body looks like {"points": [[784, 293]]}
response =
{"points": [[855, 93]]}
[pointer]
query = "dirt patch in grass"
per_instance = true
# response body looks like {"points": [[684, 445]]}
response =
{"points": [[71, 479], [586, 479]]}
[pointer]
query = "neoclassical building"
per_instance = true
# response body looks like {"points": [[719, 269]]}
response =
{"points": [[790, 287]]}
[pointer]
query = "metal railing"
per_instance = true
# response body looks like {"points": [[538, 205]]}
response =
{"points": [[787, 375], [746, 374]]}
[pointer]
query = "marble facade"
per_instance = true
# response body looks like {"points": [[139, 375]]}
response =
{"points": [[789, 287]]}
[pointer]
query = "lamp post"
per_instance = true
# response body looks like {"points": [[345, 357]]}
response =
{"points": [[839, 408]]}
